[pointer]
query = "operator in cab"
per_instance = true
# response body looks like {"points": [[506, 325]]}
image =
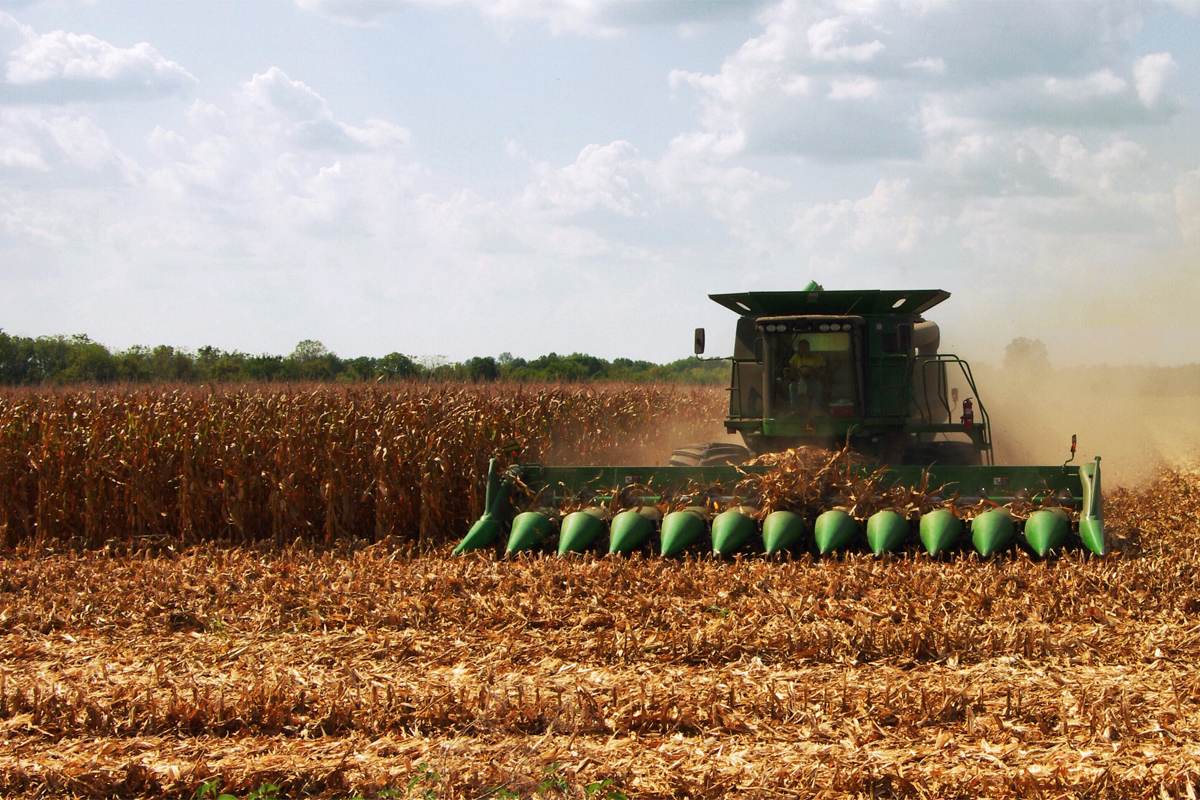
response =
{"points": [[806, 373]]}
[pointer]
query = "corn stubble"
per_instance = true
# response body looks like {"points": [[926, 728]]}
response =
{"points": [[340, 672]]}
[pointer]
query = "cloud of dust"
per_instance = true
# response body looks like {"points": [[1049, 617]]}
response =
{"points": [[697, 417], [1139, 407], [1138, 419]]}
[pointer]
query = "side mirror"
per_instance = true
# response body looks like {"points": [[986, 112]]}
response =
{"points": [[699, 341]]}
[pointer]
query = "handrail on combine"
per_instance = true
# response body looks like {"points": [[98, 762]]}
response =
{"points": [[940, 360]]}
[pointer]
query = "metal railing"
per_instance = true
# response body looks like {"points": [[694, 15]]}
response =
{"points": [[926, 408]]}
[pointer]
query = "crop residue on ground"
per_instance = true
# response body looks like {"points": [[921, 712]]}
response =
{"points": [[357, 673]]}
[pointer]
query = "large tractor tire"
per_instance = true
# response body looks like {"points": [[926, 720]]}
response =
{"points": [[709, 454], [945, 454]]}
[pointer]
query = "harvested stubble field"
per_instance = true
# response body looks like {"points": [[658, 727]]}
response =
{"points": [[144, 667]]}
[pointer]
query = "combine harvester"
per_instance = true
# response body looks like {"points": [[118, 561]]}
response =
{"points": [[814, 371]]}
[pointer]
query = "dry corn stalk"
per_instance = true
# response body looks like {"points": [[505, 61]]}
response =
{"points": [[85, 469]]}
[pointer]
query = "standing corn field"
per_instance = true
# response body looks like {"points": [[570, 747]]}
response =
{"points": [[85, 469]]}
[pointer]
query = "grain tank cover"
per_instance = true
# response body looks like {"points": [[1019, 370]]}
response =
{"points": [[864, 302]]}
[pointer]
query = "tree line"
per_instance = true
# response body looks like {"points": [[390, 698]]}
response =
{"points": [[64, 360]]}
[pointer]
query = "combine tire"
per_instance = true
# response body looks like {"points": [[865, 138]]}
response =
{"points": [[709, 454], [945, 454]]}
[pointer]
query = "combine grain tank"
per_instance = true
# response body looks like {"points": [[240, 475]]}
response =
{"points": [[880, 442]]}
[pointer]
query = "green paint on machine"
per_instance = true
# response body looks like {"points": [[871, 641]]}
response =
{"points": [[680, 530], [782, 530]]}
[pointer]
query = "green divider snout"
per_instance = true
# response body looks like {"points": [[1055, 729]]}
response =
{"points": [[681, 529], [1047, 529], [782, 530], [991, 531], [940, 530], [631, 529], [581, 530], [731, 530], [1091, 519], [886, 531], [835, 530], [530, 531]]}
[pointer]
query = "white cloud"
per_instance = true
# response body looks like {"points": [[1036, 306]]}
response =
{"points": [[1100, 83], [19, 140], [60, 65], [981, 161], [274, 92], [858, 88], [351, 11], [82, 141], [14, 33], [590, 17], [22, 220], [33, 139], [998, 66], [933, 66], [292, 109], [609, 177], [882, 221], [794, 85], [1150, 75], [690, 174], [826, 42]]}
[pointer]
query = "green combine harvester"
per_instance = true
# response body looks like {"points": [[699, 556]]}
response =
{"points": [[872, 448]]}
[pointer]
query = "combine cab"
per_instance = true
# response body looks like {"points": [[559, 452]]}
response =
{"points": [[854, 434]]}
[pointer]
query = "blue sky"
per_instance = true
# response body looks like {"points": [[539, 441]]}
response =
{"points": [[466, 177]]}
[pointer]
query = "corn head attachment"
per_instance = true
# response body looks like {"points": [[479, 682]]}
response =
{"points": [[830, 506]]}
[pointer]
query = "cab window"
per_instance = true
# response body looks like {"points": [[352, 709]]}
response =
{"points": [[814, 374]]}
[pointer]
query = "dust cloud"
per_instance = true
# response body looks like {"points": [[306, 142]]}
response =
{"points": [[689, 415], [1139, 419]]}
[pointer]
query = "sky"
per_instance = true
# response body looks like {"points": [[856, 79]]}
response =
{"points": [[470, 177]]}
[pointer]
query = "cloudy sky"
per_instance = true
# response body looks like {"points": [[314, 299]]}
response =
{"points": [[466, 177]]}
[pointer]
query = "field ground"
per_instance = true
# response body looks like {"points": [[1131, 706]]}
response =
{"points": [[355, 674]]}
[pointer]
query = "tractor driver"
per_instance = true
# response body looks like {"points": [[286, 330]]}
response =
{"points": [[806, 372]]}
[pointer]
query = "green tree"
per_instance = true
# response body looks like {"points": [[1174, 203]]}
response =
{"points": [[309, 350], [482, 368], [397, 365], [89, 362]]}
